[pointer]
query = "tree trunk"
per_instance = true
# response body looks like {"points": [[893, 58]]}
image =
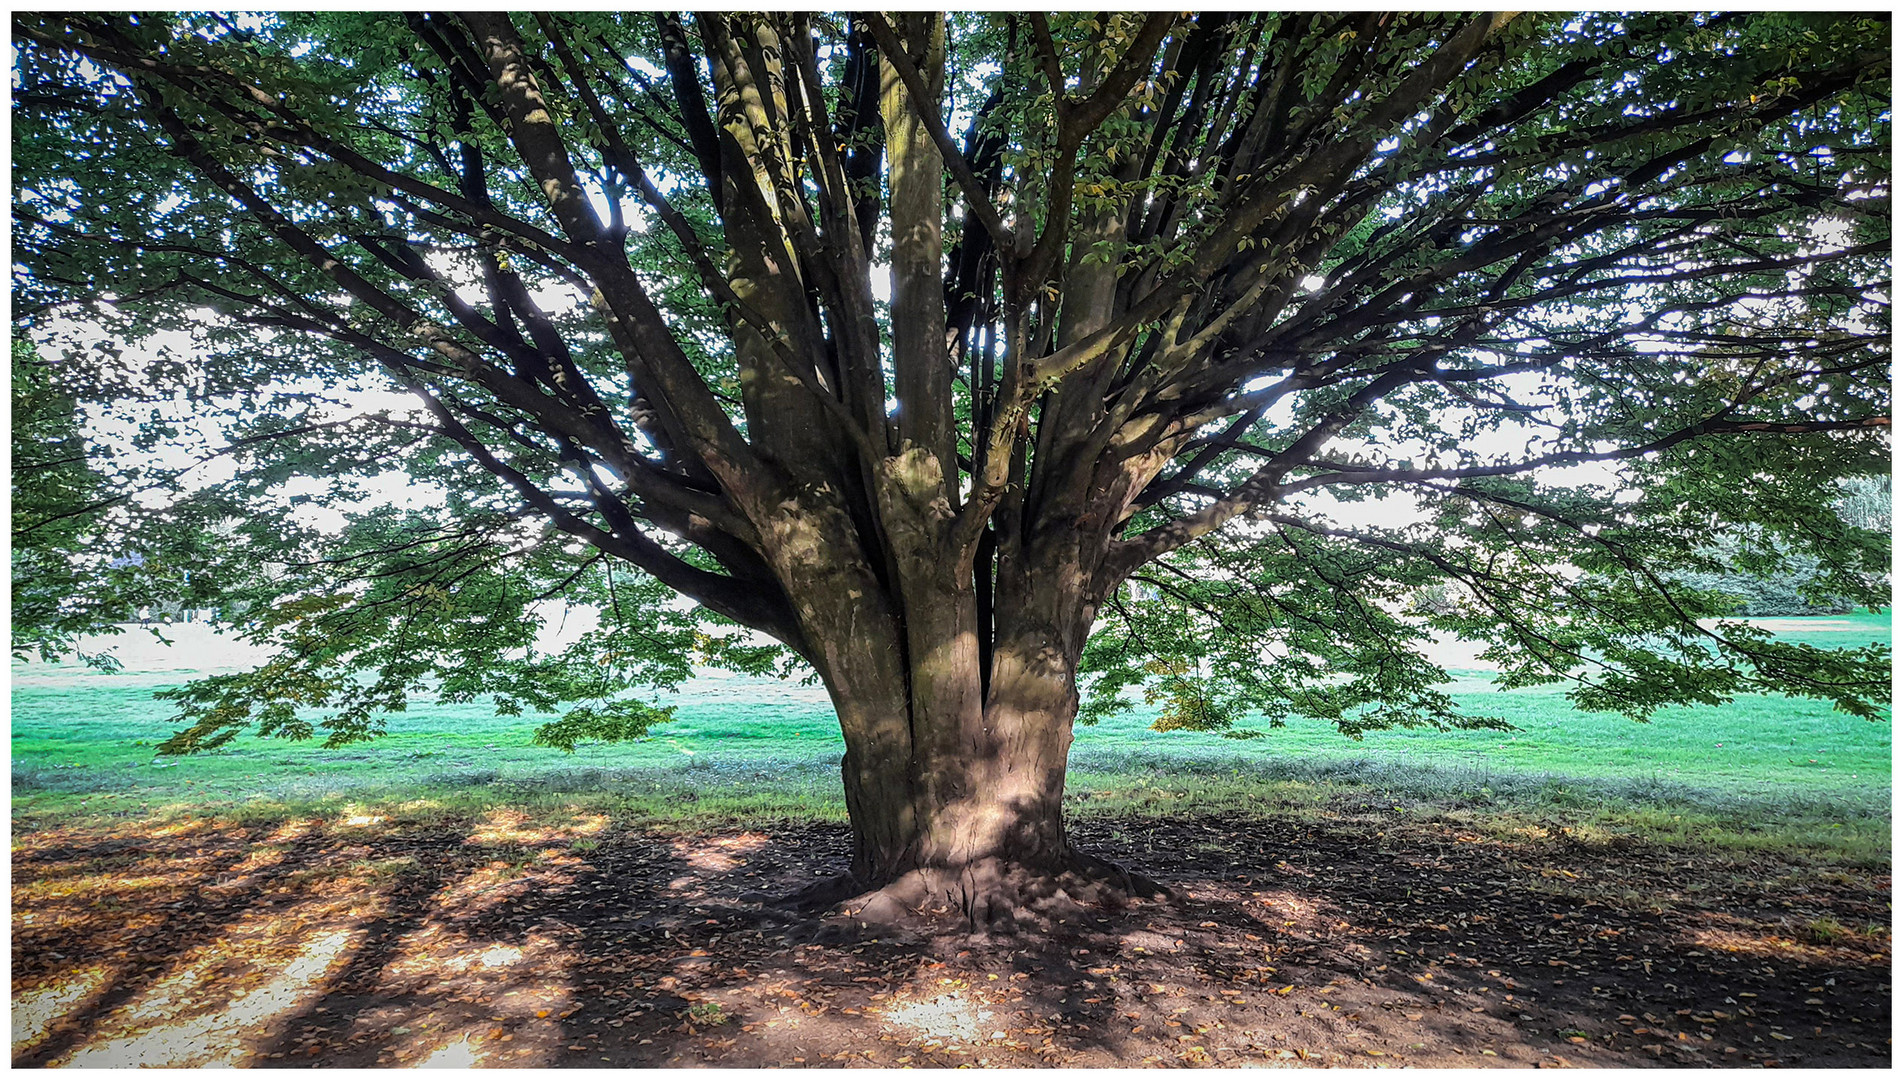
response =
{"points": [[959, 809]]}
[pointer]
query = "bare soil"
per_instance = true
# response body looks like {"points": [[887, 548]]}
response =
{"points": [[1362, 939]]}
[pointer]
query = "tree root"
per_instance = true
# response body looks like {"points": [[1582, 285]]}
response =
{"points": [[822, 894], [990, 896]]}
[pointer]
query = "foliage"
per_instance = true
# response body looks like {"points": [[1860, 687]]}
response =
{"points": [[1764, 577], [1865, 503], [83, 744], [1286, 624], [57, 499], [1762, 594], [419, 330]]}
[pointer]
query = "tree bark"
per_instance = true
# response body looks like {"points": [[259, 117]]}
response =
{"points": [[954, 783]]}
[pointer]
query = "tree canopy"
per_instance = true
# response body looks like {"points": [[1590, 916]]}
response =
{"points": [[929, 347]]}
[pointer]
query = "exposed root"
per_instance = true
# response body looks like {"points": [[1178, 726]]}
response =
{"points": [[1126, 881], [820, 895], [991, 896]]}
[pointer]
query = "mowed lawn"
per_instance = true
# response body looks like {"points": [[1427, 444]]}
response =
{"points": [[82, 742]]}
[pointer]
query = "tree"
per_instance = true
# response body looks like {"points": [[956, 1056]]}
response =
{"points": [[54, 494], [1865, 503], [1163, 291], [1766, 579]]}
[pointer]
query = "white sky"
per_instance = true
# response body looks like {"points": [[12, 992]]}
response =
{"points": [[116, 430]]}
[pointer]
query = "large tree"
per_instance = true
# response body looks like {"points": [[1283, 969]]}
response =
{"points": [[1165, 294]]}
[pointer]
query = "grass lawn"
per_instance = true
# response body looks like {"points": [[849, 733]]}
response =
{"points": [[450, 895], [82, 745]]}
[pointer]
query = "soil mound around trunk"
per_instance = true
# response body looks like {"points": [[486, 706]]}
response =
{"points": [[506, 942]]}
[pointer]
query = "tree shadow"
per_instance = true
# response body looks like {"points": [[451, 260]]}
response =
{"points": [[163, 941], [513, 941]]}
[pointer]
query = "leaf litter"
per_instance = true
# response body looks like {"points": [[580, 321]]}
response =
{"points": [[1356, 940]]}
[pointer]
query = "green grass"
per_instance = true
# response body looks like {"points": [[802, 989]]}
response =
{"points": [[749, 748]]}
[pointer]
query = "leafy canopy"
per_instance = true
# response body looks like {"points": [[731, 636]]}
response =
{"points": [[1233, 277]]}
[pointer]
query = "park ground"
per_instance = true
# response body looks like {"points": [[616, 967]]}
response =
{"points": [[1581, 892]]}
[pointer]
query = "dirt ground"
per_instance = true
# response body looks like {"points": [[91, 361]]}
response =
{"points": [[1360, 940]]}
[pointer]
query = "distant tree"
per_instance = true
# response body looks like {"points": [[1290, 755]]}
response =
{"points": [[1158, 285], [1865, 503], [1768, 577], [1782, 592]]}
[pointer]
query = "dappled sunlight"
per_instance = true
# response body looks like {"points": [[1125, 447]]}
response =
{"points": [[229, 949], [188, 826], [447, 995], [500, 956], [91, 886], [947, 1016], [506, 826], [36, 1011], [507, 881], [227, 1037], [293, 830], [458, 1054], [187, 993], [433, 954], [1771, 943], [405, 947], [519, 988], [77, 920], [486, 886], [245, 872], [119, 877], [176, 991], [1288, 910], [558, 859], [452, 958], [717, 854]]}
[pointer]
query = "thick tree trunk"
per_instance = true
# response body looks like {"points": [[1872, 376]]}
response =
{"points": [[966, 824], [958, 810]]}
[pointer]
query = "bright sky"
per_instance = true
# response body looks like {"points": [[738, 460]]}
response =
{"points": [[202, 432]]}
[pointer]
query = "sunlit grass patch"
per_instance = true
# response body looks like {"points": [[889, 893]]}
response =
{"points": [[77, 750], [1858, 836], [1574, 812], [1822, 941], [1763, 775], [1826, 931], [542, 825]]}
